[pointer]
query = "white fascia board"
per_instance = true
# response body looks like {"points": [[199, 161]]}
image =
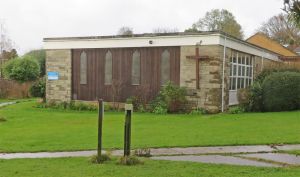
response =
{"points": [[161, 41], [248, 48]]}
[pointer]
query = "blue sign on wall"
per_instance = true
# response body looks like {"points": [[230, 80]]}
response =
{"points": [[52, 75]]}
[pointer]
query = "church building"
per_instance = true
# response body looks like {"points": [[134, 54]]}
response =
{"points": [[212, 66]]}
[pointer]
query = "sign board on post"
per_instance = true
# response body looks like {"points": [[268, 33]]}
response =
{"points": [[52, 75]]}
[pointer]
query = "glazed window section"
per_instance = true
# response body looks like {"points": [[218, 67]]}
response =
{"points": [[165, 67], [241, 70], [136, 68], [108, 68], [83, 68]]}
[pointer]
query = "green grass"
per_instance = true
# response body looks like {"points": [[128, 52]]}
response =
{"points": [[78, 167], [36, 129]]}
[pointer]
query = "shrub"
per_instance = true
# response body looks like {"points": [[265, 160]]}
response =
{"points": [[198, 111], [281, 91], [99, 160], [22, 69], [77, 106], [170, 99], [236, 110], [130, 160], [38, 89]]}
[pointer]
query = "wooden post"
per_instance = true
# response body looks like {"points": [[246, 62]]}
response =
{"points": [[127, 129], [100, 121]]}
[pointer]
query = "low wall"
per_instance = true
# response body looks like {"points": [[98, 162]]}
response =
{"points": [[13, 89]]}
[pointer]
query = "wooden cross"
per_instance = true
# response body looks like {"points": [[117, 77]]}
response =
{"points": [[197, 57]]}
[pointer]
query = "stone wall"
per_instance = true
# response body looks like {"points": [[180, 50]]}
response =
{"points": [[59, 61], [209, 94]]}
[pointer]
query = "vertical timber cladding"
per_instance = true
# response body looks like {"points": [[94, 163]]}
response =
{"points": [[122, 64]]}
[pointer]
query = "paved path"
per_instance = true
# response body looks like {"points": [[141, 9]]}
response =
{"points": [[217, 159], [276, 157], [160, 151], [6, 103]]}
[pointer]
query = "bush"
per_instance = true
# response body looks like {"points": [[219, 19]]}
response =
{"points": [[77, 106], [281, 91], [40, 57], [22, 69], [38, 89], [170, 99], [199, 111], [99, 160], [236, 110]]}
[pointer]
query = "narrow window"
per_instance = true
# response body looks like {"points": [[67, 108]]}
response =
{"points": [[136, 68], [83, 68], [165, 67], [108, 68]]}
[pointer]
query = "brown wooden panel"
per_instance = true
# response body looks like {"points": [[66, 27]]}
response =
{"points": [[122, 58]]}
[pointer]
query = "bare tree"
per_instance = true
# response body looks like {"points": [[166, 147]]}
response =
{"points": [[125, 30], [6, 43], [116, 87], [282, 30], [165, 30]]}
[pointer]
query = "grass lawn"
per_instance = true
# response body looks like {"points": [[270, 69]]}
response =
{"points": [[36, 129], [78, 167]]}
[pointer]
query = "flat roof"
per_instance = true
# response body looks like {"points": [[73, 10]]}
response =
{"points": [[158, 40]]}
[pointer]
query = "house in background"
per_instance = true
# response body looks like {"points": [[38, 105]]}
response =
{"points": [[212, 66], [288, 55]]}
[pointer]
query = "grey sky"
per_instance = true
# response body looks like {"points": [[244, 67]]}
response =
{"points": [[28, 21]]}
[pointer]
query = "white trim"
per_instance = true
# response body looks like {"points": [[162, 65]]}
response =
{"points": [[160, 41], [249, 48]]}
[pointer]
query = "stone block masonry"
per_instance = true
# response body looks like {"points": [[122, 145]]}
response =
{"points": [[209, 94], [59, 61]]}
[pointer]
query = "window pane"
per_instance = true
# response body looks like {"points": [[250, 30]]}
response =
{"points": [[136, 68], [83, 68], [234, 70], [108, 68], [240, 71], [165, 67], [242, 83]]}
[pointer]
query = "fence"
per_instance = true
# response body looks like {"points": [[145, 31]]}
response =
{"points": [[13, 89]]}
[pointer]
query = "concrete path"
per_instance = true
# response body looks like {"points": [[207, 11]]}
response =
{"points": [[217, 159], [276, 157], [161, 151], [6, 104]]}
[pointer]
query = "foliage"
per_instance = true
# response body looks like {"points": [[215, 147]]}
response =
{"points": [[22, 69], [280, 29], [40, 57], [130, 160], [160, 108], [77, 106], [38, 88], [125, 30], [145, 152], [255, 92], [218, 20], [199, 111], [99, 160], [236, 110], [292, 7], [281, 91], [171, 97]]}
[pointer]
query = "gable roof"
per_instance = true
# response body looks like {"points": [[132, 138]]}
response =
{"points": [[263, 41]]}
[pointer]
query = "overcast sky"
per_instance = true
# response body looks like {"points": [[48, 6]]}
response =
{"points": [[29, 21]]}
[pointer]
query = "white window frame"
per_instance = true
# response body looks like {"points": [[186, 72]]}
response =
{"points": [[247, 78]]}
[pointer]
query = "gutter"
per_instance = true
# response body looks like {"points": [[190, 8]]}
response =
{"points": [[223, 74]]}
